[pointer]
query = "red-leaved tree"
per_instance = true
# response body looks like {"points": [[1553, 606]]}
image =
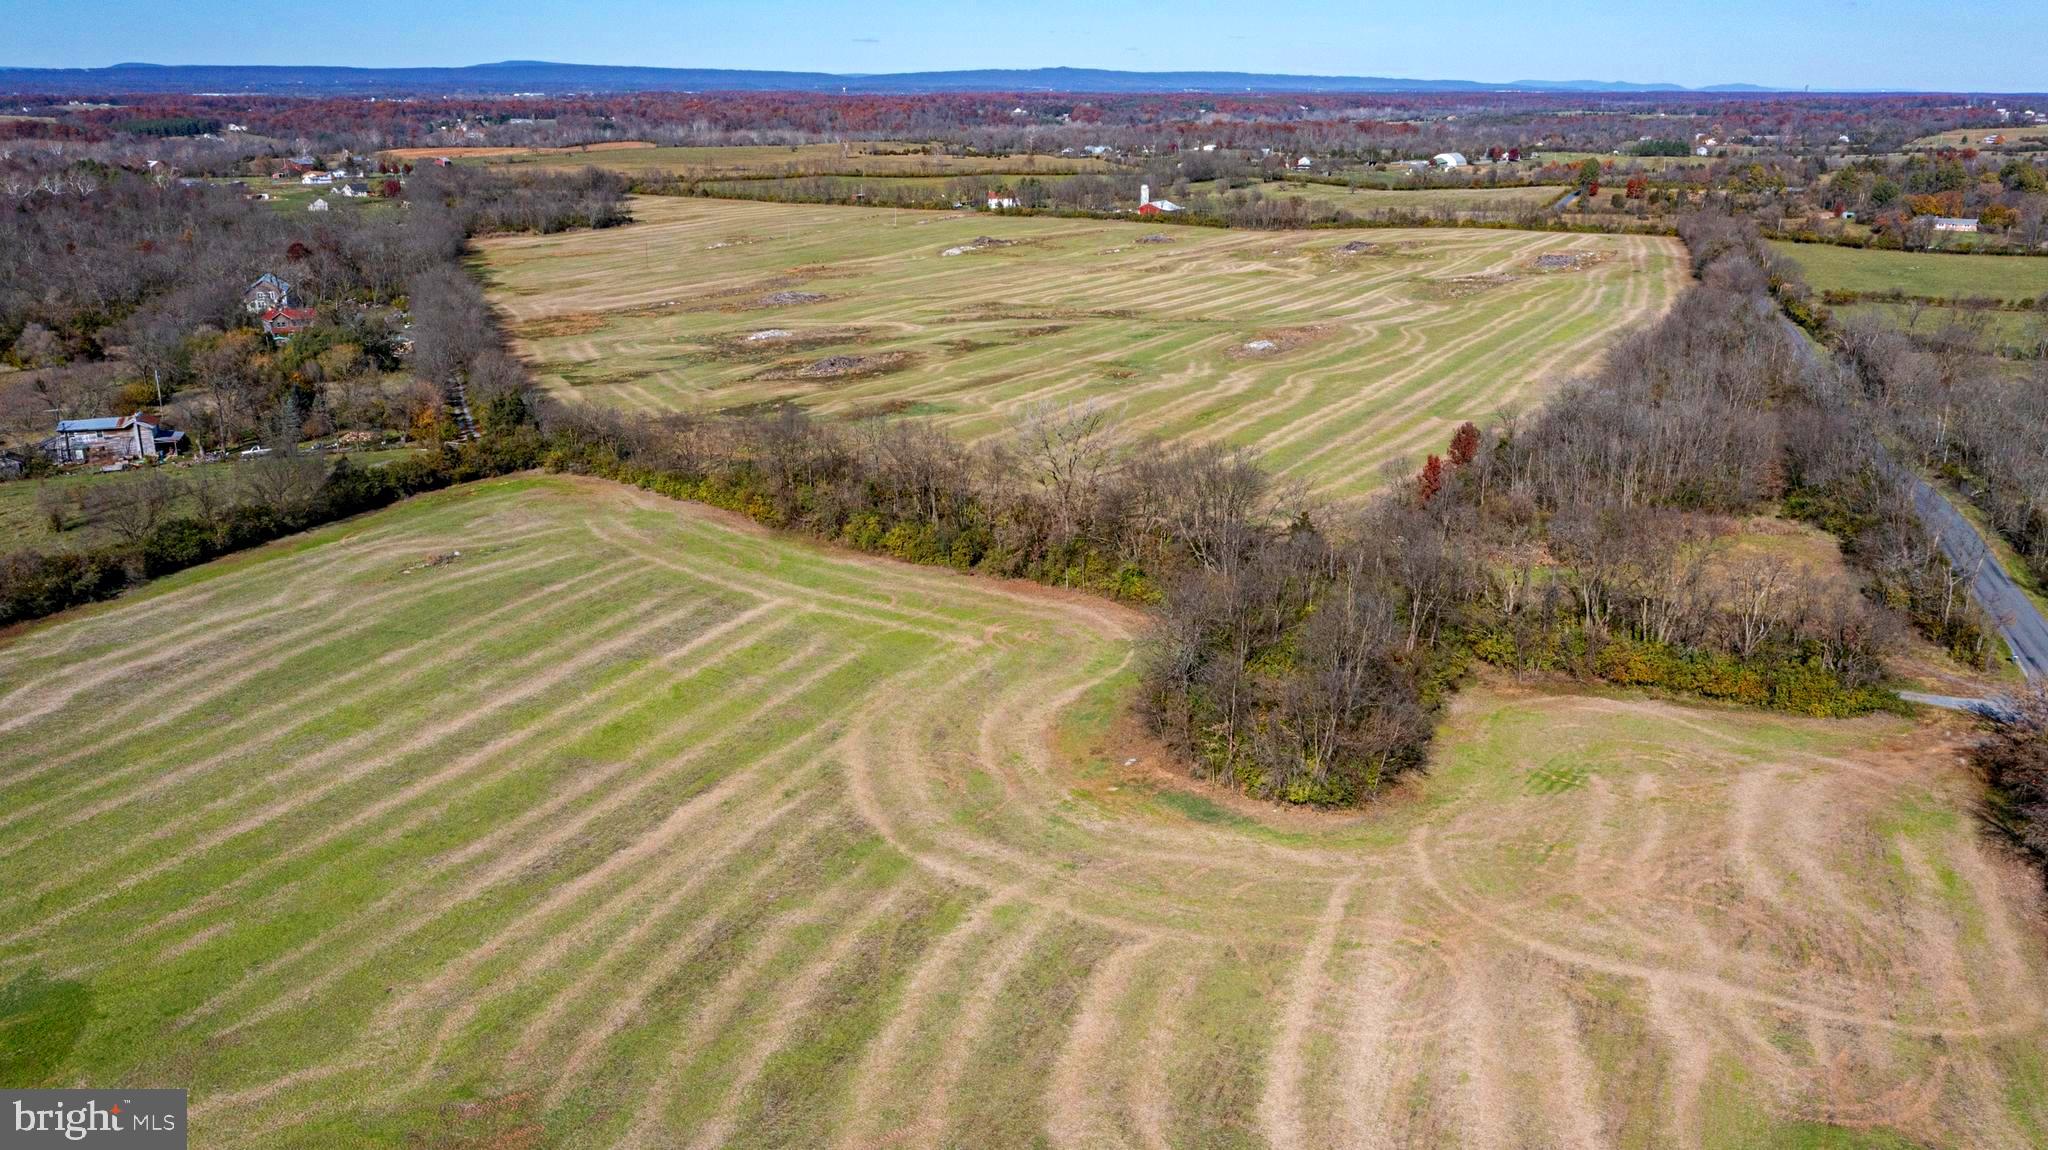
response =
{"points": [[1464, 444], [1431, 480]]}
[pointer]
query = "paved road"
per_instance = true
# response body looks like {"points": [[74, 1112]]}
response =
{"points": [[1989, 708], [2018, 619]]}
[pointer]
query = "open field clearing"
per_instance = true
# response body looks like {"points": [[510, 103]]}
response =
{"points": [[25, 507], [871, 159], [1326, 351], [2036, 134], [632, 826], [1364, 200], [490, 153], [1361, 200], [1939, 275], [2012, 332]]}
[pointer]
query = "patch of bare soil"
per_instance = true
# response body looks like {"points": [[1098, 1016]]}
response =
{"points": [[963, 346], [558, 326], [1278, 341], [986, 312], [1356, 248], [1567, 261], [1155, 238], [791, 298], [841, 366], [1458, 287], [439, 559], [769, 343], [977, 244]]}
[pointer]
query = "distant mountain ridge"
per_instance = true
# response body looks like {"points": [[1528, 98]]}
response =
{"points": [[539, 76]]}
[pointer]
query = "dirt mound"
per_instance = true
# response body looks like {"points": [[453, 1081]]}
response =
{"points": [[1276, 342], [765, 344], [1566, 261], [841, 366], [977, 244], [791, 298], [1155, 238], [1357, 248]]}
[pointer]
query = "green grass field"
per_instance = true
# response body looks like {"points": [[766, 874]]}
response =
{"points": [[1974, 137], [24, 523], [1326, 362], [1363, 201], [2011, 331], [292, 196], [633, 826], [1942, 276]]}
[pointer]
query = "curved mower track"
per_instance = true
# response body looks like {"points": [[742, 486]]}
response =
{"points": [[644, 827], [1372, 357]]}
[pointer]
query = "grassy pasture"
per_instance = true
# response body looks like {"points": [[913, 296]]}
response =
{"points": [[2009, 330], [1936, 274], [292, 196], [1373, 354], [1363, 200], [2036, 134], [24, 524], [633, 826]]}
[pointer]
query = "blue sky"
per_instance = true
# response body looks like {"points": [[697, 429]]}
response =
{"points": [[1967, 45]]}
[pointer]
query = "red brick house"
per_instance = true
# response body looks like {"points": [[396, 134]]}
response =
{"points": [[282, 323]]}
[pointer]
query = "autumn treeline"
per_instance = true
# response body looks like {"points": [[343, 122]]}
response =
{"points": [[1585, 540], [1591, 538], [1299, 652], [1977, 420], [1361, 124], [119, 291]]}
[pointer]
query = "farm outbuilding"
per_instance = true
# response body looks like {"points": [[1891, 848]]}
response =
{"points": [[1147, 206], [110, 439]]}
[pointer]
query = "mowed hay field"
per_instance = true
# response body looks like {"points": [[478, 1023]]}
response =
{"points": [[633, 826], [1934, 274], [1325, 362], [1363, 199]]}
